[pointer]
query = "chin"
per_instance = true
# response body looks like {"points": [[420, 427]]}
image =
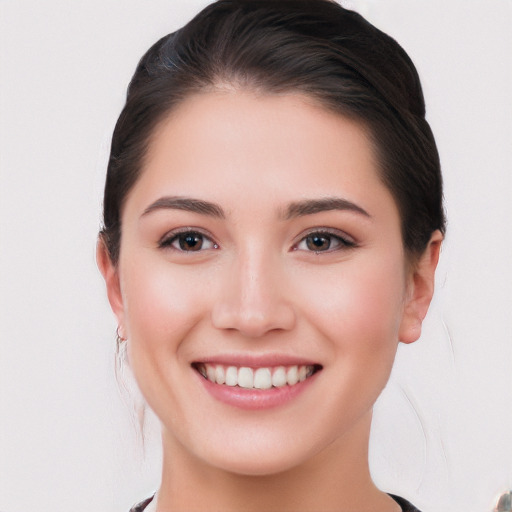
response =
{"points": [[264, 451], [266, 464]]}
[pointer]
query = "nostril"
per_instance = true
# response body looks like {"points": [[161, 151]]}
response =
{"points": [[253, 320]]}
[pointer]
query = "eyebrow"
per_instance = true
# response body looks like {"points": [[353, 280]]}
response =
{"points": [[294, 210], [186, 203], [312, 206]]}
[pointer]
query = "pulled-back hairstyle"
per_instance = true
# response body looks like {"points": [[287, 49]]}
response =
{"points": [[313, 47]]}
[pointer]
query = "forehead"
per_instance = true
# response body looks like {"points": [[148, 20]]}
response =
{"points": [[231, 144]]}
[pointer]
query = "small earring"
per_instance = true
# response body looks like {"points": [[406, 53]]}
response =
{"points": [[119, 339]]}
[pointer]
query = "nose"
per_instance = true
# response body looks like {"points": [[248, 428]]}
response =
{"points": [[254, 298]]}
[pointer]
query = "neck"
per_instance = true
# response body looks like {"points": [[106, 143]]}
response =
{"points": [[336, 479]]}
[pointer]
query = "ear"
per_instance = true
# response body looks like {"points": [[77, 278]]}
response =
{"points": [[420, 290], [111, 275]]}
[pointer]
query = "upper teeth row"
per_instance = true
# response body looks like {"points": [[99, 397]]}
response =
{"points": [[260, 378]]}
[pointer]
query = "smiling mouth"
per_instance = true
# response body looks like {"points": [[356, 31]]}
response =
{"points": [[256, 378]]}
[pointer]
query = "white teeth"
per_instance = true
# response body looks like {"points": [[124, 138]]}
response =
{"points": [[220, 376], [245, 378], [279, 377], [292, 375], [263, 378], [232, 376], [260, 378], [210, 373]]}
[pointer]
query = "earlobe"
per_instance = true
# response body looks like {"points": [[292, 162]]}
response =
{"points": [[421, 290], [110, 273]]}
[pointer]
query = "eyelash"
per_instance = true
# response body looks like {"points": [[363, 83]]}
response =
{"points": [[176, 237], [341, 241]]}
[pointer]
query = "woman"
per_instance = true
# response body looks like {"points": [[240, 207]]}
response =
{"points": [[272, 223]]}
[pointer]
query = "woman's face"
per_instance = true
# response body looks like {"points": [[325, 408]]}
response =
{"points": [[260, 247]]}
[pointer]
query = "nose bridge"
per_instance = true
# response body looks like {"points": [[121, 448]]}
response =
{"points": [[253, 298], [256, 277]]}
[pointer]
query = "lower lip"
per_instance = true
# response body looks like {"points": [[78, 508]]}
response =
{"points": [[256, 399]]}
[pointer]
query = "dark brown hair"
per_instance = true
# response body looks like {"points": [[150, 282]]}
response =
{"points": [[313, 47]]}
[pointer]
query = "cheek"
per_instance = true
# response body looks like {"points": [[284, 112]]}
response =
{"points": [[162, 304], [157, 295], [359, 306]]}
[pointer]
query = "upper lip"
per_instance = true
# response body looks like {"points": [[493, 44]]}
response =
{"points": [[255, 360]]}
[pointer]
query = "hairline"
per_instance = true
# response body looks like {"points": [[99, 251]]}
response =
{"points": [[235, 86]]}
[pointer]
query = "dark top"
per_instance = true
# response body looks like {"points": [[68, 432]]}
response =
{"points": [[406, 506]]}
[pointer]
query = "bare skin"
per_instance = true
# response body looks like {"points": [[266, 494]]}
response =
{"points": [[260, 231], [326, 484]]}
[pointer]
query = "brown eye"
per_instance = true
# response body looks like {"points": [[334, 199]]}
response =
{"points": [[188, 241], [318, 242], [324, 241]]}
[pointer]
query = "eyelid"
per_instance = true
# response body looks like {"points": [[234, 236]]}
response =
{"points": [[165, 241], [345, 239]]}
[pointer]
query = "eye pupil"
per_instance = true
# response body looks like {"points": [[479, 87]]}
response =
{"points": [[191, 242], [318, 242]]}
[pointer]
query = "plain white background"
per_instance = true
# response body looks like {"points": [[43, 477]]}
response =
{"points": [[442, 434]]}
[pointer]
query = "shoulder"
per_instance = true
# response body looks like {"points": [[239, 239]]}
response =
{"points": [[142, 506], [406, 506]]}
